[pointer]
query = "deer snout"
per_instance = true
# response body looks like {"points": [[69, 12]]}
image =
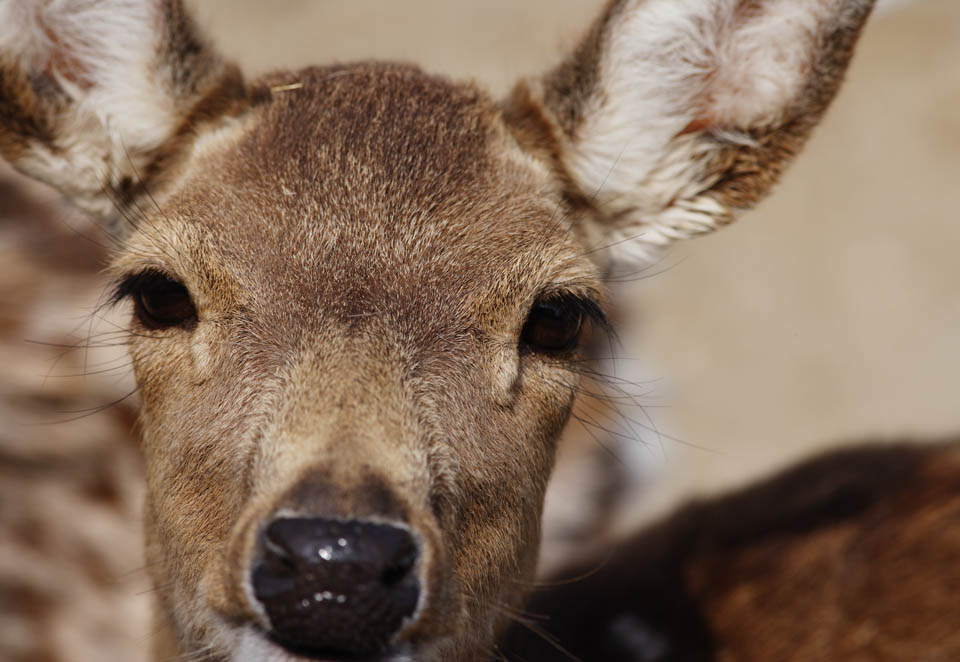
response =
{"points": [[335, 587]]}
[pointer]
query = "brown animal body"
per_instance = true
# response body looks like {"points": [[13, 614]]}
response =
{"points": [[846, 557], [360, 292]]}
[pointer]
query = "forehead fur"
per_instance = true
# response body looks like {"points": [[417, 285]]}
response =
{"points": [[370, 186]]}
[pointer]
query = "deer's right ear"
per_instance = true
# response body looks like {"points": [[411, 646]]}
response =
{"points": [[95, 94], [673, 115]]}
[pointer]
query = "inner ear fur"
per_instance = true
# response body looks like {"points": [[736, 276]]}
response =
{"points": [[96, 98], [671, 116]]}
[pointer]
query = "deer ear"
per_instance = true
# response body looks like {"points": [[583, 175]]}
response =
{"points": [[674, 115], [94, 94]]}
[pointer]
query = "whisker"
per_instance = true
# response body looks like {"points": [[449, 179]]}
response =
{"points": [[537, 630], [539, 584]]}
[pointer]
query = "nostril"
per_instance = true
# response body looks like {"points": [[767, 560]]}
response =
{"points": [[401, 565], [277, 556], [336, 587]]}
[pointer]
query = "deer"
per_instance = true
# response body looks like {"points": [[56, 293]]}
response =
{"points": [[360, 294], [847, 556]]}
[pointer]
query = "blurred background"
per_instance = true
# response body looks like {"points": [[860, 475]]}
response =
{"points": [[828, 316]]}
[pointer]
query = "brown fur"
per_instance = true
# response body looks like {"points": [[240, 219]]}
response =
{"points": [[846, 557], [25, 119], [363, 245]]}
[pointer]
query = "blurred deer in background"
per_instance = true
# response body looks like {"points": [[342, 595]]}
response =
{"points": [[362, 294], [846, 557]]}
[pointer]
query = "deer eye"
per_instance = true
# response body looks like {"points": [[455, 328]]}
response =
{"points": [[160, 302], [553, 325]]}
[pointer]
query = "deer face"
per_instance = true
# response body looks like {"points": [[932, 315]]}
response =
{"points": [[360, 295], [356, 328]]}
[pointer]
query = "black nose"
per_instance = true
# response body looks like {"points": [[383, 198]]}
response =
{"points": [[339, 588]]}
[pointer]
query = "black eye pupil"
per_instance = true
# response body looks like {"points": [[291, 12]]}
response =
{"points": [[160, 302], [552, 326]]}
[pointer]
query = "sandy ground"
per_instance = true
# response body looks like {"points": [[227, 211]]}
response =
{"points": [[829, 314]]}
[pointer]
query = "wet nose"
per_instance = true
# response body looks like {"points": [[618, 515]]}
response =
{"points": [[340, 588]]}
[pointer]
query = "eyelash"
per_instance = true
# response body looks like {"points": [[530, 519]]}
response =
{"points": [[554, 323], [160, 302]]}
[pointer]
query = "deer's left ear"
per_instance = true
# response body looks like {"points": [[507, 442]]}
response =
{"points": [[673, 115]]}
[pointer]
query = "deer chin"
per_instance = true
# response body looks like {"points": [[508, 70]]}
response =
{"points": [[254, 645]]}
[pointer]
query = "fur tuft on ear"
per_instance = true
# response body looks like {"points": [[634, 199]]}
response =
{"points": [[93, 92], [673, 115]]}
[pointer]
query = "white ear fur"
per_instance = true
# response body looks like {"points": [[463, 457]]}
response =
{"points": [[102, 54], [99, 76], [110, 50], [679, 80]]}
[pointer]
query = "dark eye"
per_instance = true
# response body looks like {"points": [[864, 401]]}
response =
{"points": [[553, 325], [160, 302]]}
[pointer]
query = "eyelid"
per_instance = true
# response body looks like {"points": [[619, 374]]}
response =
{"points": [[586, 302], [127, 285]]}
